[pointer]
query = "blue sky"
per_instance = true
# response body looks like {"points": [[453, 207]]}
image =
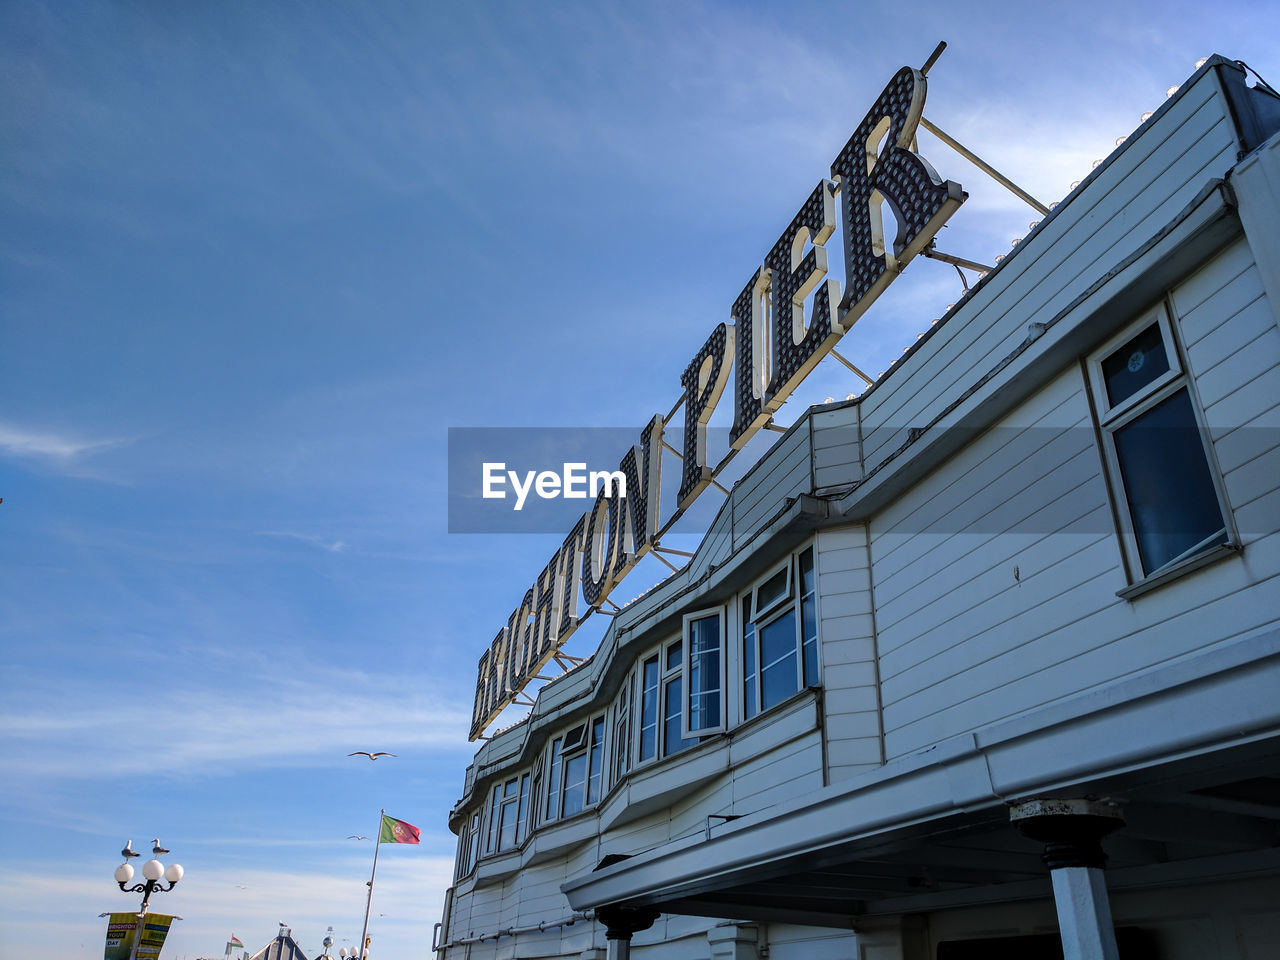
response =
{"points": [[256, 259]]}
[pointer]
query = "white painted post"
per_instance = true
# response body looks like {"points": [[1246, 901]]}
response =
{"points": [[1084, 914], [1071, 831]]}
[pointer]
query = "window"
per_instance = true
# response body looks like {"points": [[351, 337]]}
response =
{"points": [[622, 732], [779, 635], [468, 845], [704, 673], [507, 806], [575, 770], [649, 680], [1165, 492], [673, 740]]}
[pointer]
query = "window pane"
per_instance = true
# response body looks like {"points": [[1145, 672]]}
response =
{"points": [[675, 654], [493, 818], [622, 735], [748, 661], [575, 782], [809, 618], [596, 760], [1136, 364], [507, 829], [672, 742], [772, 590], [1166, 479], [553, 782], [475, 839], [523, 806], [704, 673], [778, 676], [649, 711]]}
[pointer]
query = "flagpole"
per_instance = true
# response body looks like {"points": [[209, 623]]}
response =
{"points": [[364, 937]]}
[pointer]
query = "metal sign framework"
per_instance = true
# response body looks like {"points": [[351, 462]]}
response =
{"points": [[769, 349]]}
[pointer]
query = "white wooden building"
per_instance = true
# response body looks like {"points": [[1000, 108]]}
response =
{"points": [[1026, 586]]}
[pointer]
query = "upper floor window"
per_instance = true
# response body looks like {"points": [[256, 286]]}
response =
{"points": [[1165, 491], [704, 673], [576, 769], [507, 806], [779, 634], [622, 732], [468, 845]]}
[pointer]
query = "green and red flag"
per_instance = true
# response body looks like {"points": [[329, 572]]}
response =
{"points": [[235, 942], [397, 831]]}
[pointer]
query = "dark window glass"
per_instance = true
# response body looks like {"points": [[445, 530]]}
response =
{"points": [[1166, 478], [748, 661], [1136, 364], [779, 678], [772, 590], [675, 654], [649, 711]]}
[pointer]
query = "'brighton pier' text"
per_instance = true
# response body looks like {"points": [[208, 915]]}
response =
{"points": [[770, 347]]}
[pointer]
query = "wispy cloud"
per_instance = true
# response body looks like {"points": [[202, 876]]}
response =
{"points": [[55, 448], [209, 732], [324, 543], [244, 900]]}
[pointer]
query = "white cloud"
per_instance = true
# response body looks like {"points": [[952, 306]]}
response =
{"points": [[51, 448], [324, 543], [61, 910], [72, 730]]}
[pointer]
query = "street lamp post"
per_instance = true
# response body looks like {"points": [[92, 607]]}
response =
{"points": [[153, 873]]}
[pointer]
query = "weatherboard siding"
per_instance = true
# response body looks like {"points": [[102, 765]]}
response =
{"points": [[781, 474], [1137, 194], [996, 577], [848, 651]]}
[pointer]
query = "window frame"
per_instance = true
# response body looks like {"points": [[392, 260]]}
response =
{"points": [[595, 751], [687, 731], [1111, 418], [759, 621]]}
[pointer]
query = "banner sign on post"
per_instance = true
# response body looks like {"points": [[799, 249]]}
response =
{"points": [[155, 928], [121, 928]]}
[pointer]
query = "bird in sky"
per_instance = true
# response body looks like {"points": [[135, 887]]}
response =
{"points": [[371, 756], [128, 852], [158, 850], [354, 837]]}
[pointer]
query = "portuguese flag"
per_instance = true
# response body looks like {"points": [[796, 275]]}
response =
{"points": [[397, 831]]}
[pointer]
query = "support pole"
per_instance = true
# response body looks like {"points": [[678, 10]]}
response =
{"points": [[364, 935], [620, 923], [1071, 831], [982, 165]]}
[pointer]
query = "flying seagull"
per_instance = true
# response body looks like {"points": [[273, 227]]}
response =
{"points": [[354, 837], [128, 852], [371, 756], [158, 850]]}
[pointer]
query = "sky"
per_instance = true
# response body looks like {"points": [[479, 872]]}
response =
{"points": [[257, 259]]}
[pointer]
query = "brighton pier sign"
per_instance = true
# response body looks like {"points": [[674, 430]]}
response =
{"points": [[769, 347]]}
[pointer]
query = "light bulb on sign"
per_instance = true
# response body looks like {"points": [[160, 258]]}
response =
{"points": [[1171, 91]]}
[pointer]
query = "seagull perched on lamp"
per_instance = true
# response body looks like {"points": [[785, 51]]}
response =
{"points": [[371, 756], [158, 850], [128, 852]]}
